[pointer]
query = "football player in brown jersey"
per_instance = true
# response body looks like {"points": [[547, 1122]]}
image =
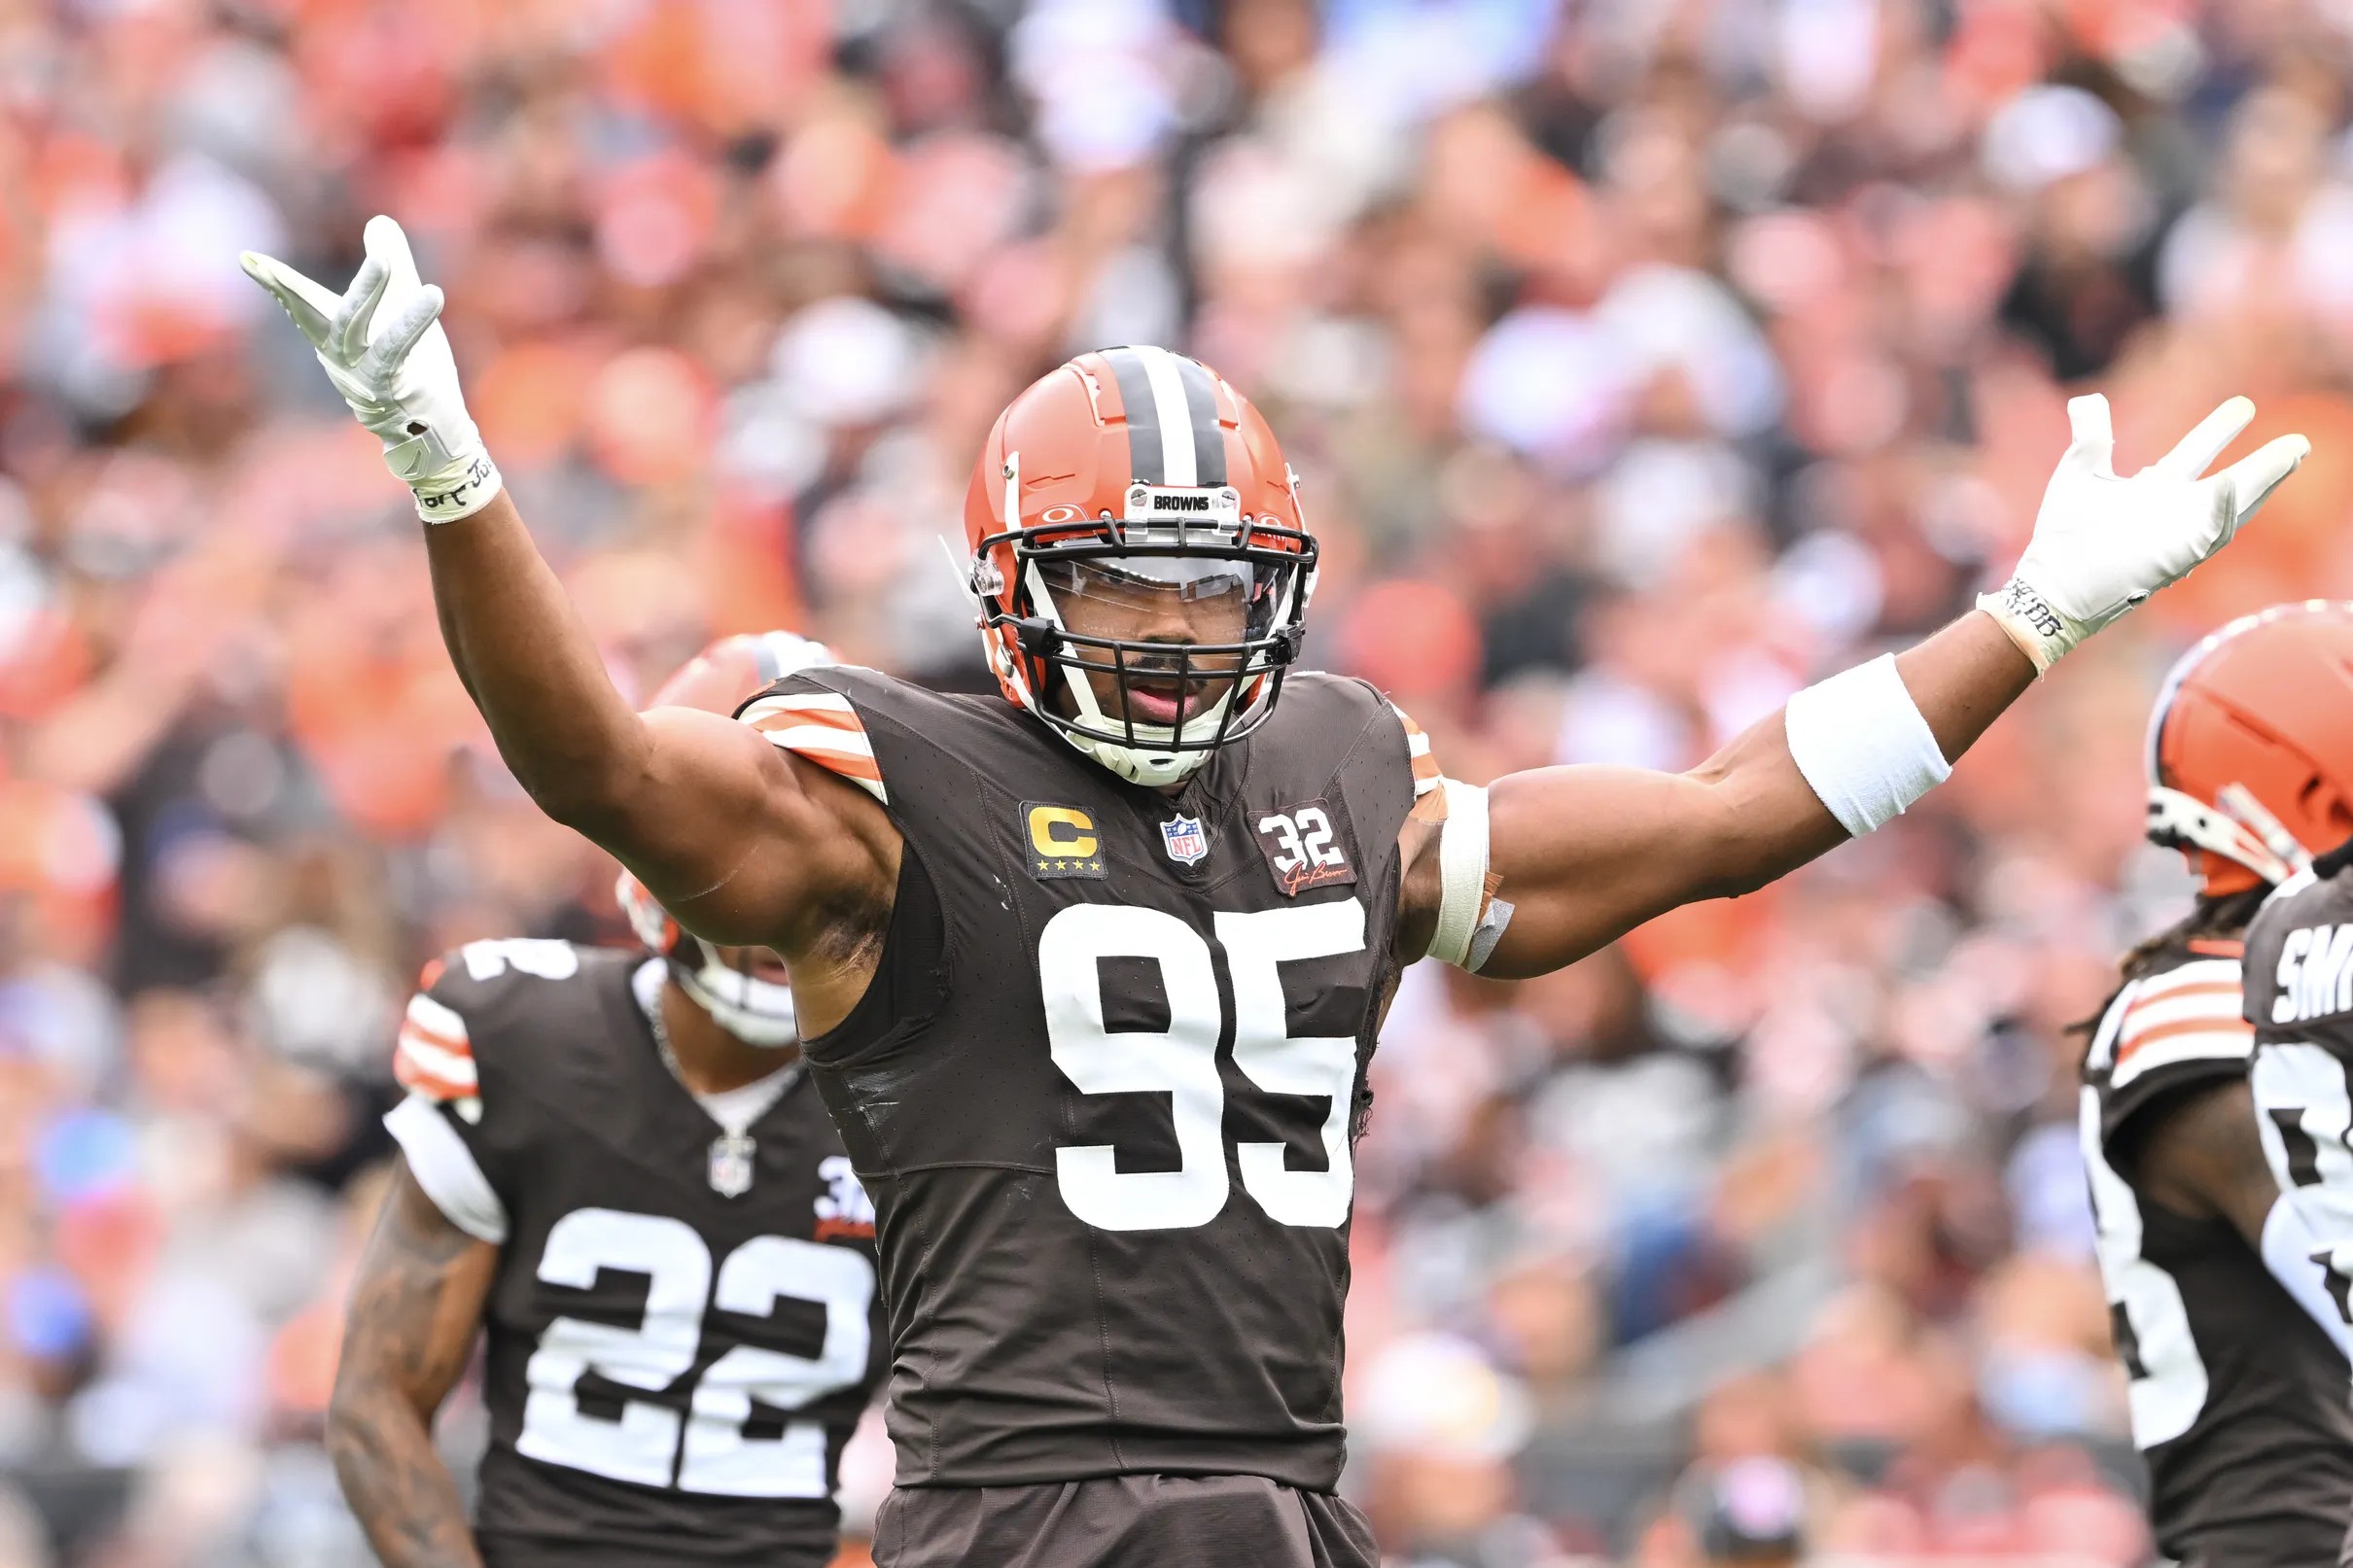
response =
{"points": [[611, 1170], [2222, 1317], [1090, 973]]}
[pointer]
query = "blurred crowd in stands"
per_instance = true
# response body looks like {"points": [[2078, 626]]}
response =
{"points": [[1642, 360]]}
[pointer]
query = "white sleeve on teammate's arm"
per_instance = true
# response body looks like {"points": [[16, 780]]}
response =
{"points": [[2294, 1258], [434, 1060], [446, 1168]]}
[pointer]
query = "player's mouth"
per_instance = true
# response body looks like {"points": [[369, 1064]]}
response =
{"points": [[1166, 701]]}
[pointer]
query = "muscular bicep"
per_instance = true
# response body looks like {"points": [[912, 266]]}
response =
{"points": [[745, 844], [416, 1303], [2199, 1154], [1586, 853]]}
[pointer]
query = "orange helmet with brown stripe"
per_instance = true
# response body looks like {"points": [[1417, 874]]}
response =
{"points": [[1138, 477], [724, 983], [2251, 746]]}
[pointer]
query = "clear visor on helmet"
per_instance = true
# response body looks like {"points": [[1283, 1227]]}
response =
{"points": [[1214, 599]]}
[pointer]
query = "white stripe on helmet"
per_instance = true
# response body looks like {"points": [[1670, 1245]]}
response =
{"points": [[1177, 465]]}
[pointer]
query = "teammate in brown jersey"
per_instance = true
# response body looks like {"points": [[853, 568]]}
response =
{"points": [[611, 1170], [1090, 973], [2222, 1316]]}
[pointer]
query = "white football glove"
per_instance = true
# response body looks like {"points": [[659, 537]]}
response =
{"points": [[384, 349], [2102, 544]]}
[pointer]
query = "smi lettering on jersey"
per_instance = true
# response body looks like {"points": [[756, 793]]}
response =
{"points": [[2315, 975]]}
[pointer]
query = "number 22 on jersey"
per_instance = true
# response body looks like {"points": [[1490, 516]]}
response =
{"points": [[708, 1447], [1181, 1060]]}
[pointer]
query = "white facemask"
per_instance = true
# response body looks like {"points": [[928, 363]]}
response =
{"points": [[757, 1012]]}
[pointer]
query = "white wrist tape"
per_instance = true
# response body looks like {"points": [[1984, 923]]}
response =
{"points": [[2042, 633], [462, 488], [1469, 922], [1862, 744]]}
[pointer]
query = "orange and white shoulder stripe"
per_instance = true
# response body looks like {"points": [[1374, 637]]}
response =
{"points": [[823, 727], [1417, 752], [435, 1056], [2186, 1014]]}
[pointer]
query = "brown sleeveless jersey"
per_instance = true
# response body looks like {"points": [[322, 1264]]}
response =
{"points": [[1104, 1084], [677, 1347]]}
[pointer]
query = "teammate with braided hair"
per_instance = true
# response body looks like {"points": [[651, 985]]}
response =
{"points": [[2222, 1316]]}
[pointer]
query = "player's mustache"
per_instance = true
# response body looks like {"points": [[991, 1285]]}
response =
{"points": [[1182, 662]]}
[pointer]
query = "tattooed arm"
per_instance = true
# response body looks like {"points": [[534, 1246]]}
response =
{"points": [[415, 1311]]}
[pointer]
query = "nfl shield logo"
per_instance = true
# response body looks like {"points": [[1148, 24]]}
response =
{"points": [[1187, 844], [732, 1159]]}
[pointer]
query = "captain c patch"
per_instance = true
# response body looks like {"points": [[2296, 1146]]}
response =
{"points": [[1303, 846], [1060, 841]]}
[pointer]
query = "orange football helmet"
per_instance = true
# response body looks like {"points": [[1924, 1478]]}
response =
{"points": [[719, 677], [2251, 746], [1134, 472], [718, 680]]}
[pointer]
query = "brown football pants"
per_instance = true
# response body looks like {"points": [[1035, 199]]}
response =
{"points": [[1122, 1521]]}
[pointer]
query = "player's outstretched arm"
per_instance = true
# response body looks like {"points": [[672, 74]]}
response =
{"points": [[741, 842], [731, 834], [1584, 854], [416, 1307]]}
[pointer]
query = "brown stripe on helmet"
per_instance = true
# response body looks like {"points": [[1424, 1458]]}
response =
{"points": [[1139, 414], [1208, 431]]}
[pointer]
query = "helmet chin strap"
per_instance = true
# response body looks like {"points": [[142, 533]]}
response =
{"points": [[757, 1012], [1153, 770]]}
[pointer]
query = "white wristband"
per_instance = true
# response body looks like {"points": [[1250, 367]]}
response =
{"points": [[1862, 744]]}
